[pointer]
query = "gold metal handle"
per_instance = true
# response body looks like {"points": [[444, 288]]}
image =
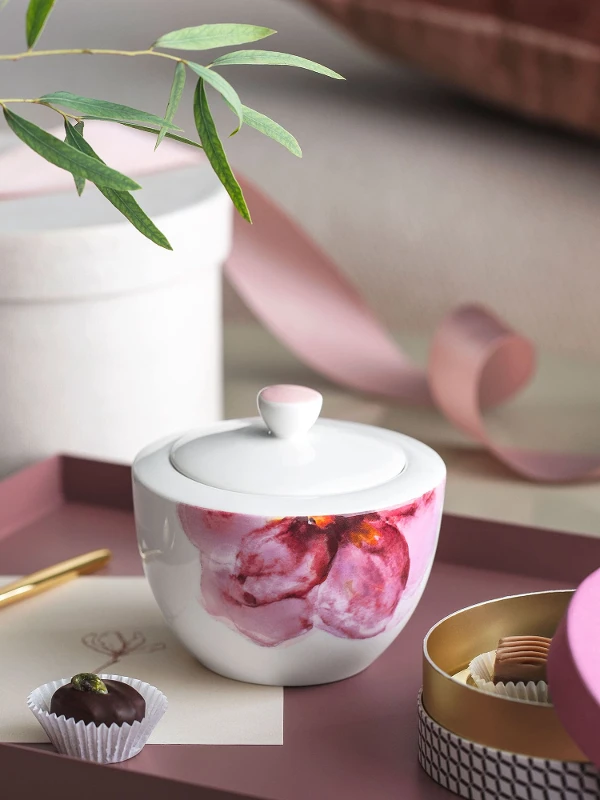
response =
{"points": [[53, 576]]}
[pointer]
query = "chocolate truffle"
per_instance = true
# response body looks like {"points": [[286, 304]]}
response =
{"points": [[90, 699], [520, 659]]}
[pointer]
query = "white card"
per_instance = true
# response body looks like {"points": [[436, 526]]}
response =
{"points": [[82, 626]]}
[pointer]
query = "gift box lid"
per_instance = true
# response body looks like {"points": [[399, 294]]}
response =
{"points": [[574, 668]]}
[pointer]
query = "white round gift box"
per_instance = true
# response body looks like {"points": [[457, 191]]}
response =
{"points": [[108, 341]]}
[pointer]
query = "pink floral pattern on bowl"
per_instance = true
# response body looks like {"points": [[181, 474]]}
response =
{"points": [[275, 580]]}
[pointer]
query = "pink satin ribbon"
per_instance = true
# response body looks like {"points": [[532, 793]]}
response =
{"points": [[475, 362]]}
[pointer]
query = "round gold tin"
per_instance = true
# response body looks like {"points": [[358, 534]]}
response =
{"points": [[499, 722]]}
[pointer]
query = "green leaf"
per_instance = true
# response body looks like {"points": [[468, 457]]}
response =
{"points": [[103, 109], [147, 129], [173, 136], [205, 37], [174, 98], [270, 58], [79, 181], [127, 205], [38, 12], [222, 86], [65, 156], [122, 201], [272, 129], [214, 150], [79, 184]]}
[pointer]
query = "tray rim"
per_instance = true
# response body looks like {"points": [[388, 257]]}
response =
{"points": [[67, 479]]}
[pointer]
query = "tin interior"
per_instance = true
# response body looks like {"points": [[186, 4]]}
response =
{"points": [[505, 724]]}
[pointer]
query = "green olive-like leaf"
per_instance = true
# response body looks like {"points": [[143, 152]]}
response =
{"points": [[215, 153], [66, 157], [222, 86], [147, 129], [79, 181], [205, 37], [103, 109], [122, 201], [38, 12], [270, 58], [174, 98], [272, 129], [79, 184]]}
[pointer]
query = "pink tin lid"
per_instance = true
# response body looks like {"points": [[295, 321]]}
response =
{"points": [[574, 668]]}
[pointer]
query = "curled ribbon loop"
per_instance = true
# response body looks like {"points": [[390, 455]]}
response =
{"points": [[476, 361]]}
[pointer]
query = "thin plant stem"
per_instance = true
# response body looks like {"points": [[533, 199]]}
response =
{"points": [[86, 51], [39, 102]]}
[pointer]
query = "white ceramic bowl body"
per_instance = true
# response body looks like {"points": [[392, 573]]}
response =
{"points": [[287, 590]]}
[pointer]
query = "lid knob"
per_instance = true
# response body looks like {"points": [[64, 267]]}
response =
{"points": [[289, 411]]}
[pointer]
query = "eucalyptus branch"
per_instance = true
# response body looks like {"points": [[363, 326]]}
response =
{"points": [[75, 155]]}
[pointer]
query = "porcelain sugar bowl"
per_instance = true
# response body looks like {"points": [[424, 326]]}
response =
{"points": [[287, 549]]}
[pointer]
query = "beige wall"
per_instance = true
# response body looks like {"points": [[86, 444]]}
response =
{"points": [[423, 199]]}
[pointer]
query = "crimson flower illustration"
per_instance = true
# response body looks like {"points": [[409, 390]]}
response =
{"points": [[274, 580]]}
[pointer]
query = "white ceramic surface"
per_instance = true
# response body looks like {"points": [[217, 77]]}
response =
{"points": [[106, 340], [336, 466], [304, 573], [289, 411]]}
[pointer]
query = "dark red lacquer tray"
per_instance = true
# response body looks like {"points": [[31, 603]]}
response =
{"points": [[351, 740]]}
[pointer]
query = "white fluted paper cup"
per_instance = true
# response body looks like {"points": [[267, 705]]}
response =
{"points": [[104, 744], [482, 672]]}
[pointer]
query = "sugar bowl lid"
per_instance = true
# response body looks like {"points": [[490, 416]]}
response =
{"points": [[288, 461], [574, 668], [287, 453]]}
